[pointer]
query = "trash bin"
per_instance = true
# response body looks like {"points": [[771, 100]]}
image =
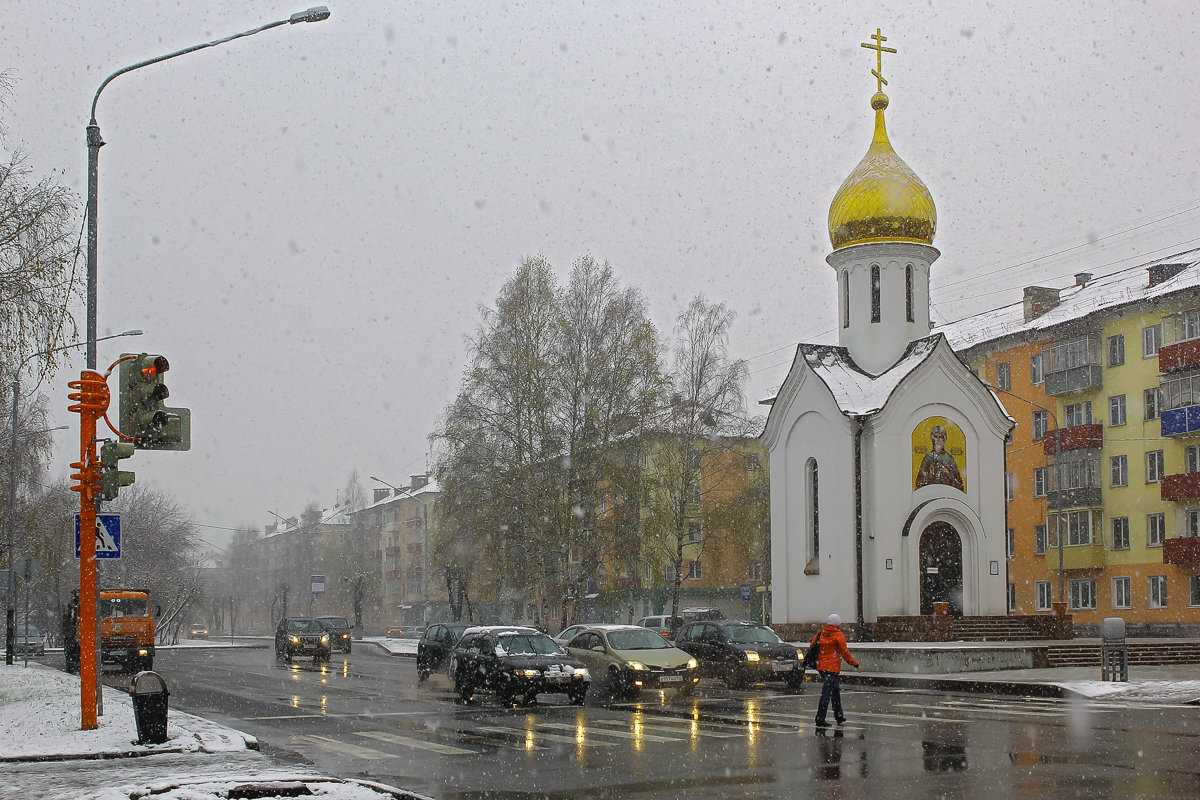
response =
{"points": [[1114, 654], [150, 694]]}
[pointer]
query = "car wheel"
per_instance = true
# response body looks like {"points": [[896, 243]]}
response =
{"points": [[687, 689], [464, 689], [736, 679], [577, 695], [422, 674], [795, 682]]}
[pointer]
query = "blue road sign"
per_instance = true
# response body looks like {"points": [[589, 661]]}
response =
{"points": [[745, 591], [108, 536]]}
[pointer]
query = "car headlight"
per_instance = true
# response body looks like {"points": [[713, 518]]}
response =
{"points": [[531, 673], [799, 655], [581, 672], [324, 638], [693, 663], [295, 640], [636, 665], [143, 651], [345, 636], [751, 655]]}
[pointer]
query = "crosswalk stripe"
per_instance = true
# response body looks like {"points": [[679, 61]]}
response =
{"points": [[420, 744], [986, 710], [647, 737], [345, 748], [551, 737], [675, 729]]}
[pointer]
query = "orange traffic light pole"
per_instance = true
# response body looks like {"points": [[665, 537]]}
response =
{"points": [[91, 403]]}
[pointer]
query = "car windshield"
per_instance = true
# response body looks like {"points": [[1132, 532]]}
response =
{"points": [[637, 640], [123, 607], [333, 622], [752, 634], [301, 625], [529, 644], [32, 631]]}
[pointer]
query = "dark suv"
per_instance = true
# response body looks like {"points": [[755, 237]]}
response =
{"points": [[339, 633], [512, 661], [301, 636], [741, 652]]}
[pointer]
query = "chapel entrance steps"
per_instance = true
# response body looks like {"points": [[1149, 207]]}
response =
{"points": [[1146, 653], [993, 629]]}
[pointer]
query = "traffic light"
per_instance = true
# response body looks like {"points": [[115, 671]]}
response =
{"points": [[112, 478], [143, 415]]}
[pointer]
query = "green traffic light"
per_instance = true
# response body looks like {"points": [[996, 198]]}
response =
{"points": [[112, 479]]}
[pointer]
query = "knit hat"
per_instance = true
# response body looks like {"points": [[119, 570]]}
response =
{"points": [[834, 620]]}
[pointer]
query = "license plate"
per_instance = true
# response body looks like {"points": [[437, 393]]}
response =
{"points": [[782, 666], [557, 678], [670, 679]]}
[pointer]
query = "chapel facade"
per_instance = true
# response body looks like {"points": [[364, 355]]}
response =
{"points": [[886, 451]]}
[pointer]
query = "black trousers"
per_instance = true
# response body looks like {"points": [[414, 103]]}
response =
{"points": [[831, 689]]}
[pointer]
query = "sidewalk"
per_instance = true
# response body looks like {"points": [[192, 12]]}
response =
{"points": [[45, 755]]}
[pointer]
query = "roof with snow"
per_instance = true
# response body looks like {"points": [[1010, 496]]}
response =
{"points": [[857, 392], [1179, 272]]}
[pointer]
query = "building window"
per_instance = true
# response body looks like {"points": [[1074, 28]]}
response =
{"points": [[669, 573], [1041, 592], [1180, 391], [1039, 540], [1151, 341], [1076, 473], [1116, 350], [875, 293], [1192, 529], [1118, 468], [845, 300], [693, 533], [1122, 595], [1010, 542], [1116, 410], [1009, 488], [1154, 466], [1003, 376], [1191, 459], [813, 498], [1151, 402], [1012, 597], [1035, 369], [1076, 526], [1078, 414], [1182, 327], [1158, 591], [1083, 594], [1194, 590], [1156, 529], [1120, 533], [756, 571], [694, 569], [1041, 420], [1039, 481], [753, 462], [908, 292]]}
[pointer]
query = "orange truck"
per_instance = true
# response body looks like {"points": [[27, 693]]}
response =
{"points": [[126, 630]]}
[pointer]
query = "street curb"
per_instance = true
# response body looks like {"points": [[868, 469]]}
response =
{"points": [[966, 685]]}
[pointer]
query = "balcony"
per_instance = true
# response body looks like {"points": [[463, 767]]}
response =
{"points": [[1076, 556], [1182, 552], [1185, 486], [1181, 421], [1081, 497], [1075, 437], [1073, 365], [1175, 357]]}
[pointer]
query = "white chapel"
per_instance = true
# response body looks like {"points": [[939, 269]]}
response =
{"points": [[886, 452]]}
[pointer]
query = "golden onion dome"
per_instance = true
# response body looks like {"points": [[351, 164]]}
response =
{"points": [[882, 200]]}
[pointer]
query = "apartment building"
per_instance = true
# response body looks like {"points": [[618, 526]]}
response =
{"points": [[1103, 469]]}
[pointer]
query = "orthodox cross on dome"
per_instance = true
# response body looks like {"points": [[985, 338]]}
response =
{"points": [[879, 49]]}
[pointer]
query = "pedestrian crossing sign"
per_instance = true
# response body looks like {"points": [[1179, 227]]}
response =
{"points": [[108, 536]]}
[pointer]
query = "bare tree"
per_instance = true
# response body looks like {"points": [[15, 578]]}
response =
{"points": [[39, 248], [696, 469]]}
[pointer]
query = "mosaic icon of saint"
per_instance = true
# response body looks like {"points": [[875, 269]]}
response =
{"points": [[938, 466]]}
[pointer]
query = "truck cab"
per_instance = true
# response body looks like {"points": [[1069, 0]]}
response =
{"points": [[126, 630]]}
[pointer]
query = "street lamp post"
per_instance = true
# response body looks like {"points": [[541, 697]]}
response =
{"points": [[89, 672], [10, 604]]}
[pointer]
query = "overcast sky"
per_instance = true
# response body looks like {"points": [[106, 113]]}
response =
{"points": [[306, 221]]}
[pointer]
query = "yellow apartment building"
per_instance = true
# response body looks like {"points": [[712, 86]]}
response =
{"points": [[1103, 470]]}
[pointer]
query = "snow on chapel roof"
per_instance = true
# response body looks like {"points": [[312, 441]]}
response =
{"points": [[855, 391]]}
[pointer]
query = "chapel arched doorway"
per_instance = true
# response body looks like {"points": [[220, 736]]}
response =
{"points": [[941, 559]]}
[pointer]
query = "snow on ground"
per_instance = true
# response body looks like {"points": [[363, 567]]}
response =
{"points": [[40, 734], [1142, 691], [397, 647]]}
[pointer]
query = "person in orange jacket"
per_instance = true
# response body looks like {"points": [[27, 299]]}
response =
{"points": [[831, 644]]}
